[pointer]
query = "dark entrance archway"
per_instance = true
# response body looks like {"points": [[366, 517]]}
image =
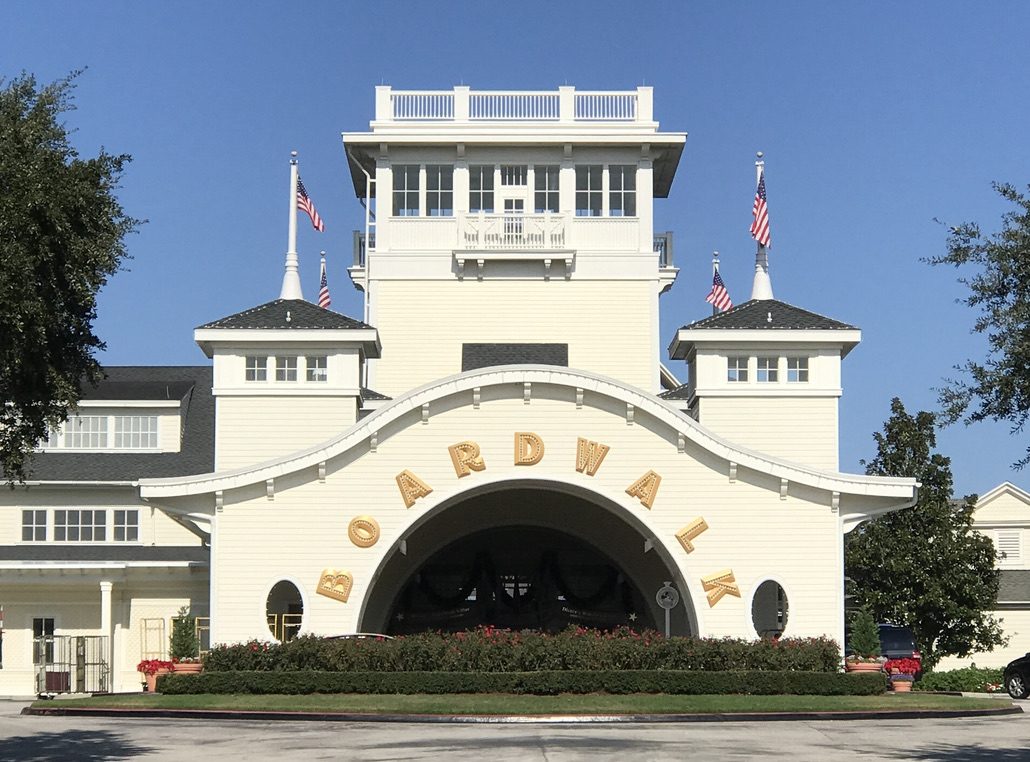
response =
{"points": [[518, 578], [526, 554]]}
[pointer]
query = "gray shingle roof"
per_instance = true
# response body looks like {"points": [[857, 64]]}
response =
{"points": [[369, 394], [679, 393], [1015, 586], [303, 315], [475, 356], [97, 553], [756, 313], [189, 384]]}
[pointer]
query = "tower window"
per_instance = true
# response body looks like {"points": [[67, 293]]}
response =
{"points": [[588, 191], [257, 369], [285, 368], [545, 189], [481, 189], [622, 191], [405, 190], [439, 190], [797, 370], [318, 368]]}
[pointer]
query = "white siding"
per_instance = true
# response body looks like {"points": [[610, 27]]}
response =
{"points": [[424, 324], [254, 429], [800, 429]]}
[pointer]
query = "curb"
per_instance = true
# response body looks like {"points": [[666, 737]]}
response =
{"points": [[202, 714]]}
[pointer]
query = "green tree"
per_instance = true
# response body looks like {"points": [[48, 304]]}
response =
{"points": [[923, 566], [999, 387], [183, 642], [62, 235]]}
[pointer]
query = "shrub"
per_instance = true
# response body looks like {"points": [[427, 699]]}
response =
{"points": [[864, 641], [544, 682], [489, 649], [970, 679], [184, 642]]}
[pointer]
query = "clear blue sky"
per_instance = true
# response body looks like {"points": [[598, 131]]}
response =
{"points": [[874, 117]]}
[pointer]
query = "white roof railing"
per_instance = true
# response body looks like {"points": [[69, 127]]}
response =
{"points": [[565, 105]]}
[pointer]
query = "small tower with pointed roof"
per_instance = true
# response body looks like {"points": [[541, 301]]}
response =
{"points": [[287, 375], [767, 375]]}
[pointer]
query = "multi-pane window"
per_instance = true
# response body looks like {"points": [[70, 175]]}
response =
{"points": [[43, 640], [126, 526], [736, 369], [33, 526], [257, 368], [439, 190], [797, 370], [86, 431], [545, 189], [481, 189], [285, 368], [513, 175], [405, 190], [136, 432], [317, 368], [622, 191], [766, 371], [80, 526], [588, 190]]}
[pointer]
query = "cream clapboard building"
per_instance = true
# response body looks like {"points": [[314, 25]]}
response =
{"points": [[525, 459]]}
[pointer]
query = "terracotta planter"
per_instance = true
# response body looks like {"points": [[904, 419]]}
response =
{"points": [[152, 679], [901, 686], [191, 669], [863, 666]]}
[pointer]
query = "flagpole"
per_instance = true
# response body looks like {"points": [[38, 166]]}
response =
{"points": [[762, 287], [291, 278], [715, 271]]}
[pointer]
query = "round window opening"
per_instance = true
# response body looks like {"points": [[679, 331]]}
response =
{"points": [[769, 610], [284, 610]]}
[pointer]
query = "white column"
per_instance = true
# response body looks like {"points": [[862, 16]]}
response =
{"points": [[105, 626]]}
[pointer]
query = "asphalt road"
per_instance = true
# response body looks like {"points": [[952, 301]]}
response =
{"points": [[63, 739]]}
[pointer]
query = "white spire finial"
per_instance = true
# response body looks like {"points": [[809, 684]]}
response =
{"points": [[762, 286], [291, 278]]}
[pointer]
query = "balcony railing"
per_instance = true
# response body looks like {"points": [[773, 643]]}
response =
{"points": [[500, 232], [463, 105], [663, 248]]}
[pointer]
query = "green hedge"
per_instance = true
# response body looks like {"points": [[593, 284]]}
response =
{"points": [[490, 650], [545, 682], [972, 679]]}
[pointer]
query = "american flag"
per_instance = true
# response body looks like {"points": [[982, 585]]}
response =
{"points": [[323, 291], [719, 296], [760, 225], [303, 202]]}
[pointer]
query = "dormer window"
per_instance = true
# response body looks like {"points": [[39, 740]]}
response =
{"points": [[736, 370], [797, 370], [767, 370], [135, 432], [317, 368], [257, 368], [285, 368]]}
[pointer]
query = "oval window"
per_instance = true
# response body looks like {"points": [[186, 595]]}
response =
{"points": [[769, 610], [284, 610]]}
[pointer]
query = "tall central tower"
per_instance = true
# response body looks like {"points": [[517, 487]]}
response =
{"points": [[512, 227]]}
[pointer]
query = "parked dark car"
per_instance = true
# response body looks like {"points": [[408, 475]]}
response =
{"points": [[1017, 677], [896, 642]]}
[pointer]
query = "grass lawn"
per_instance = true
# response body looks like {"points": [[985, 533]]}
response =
{"points": [[505, 704]]}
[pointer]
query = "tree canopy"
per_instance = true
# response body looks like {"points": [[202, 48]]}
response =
{"points": [[62, 234], [998, 387], [923, 566]]}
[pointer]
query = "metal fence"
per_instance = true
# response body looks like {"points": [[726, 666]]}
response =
{"points": [[71, 664]]}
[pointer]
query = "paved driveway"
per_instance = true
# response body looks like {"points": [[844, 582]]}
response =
{"points": [[62, 739]]}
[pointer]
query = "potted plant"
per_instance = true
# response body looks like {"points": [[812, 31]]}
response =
{"points": [[151, 668], [184, 645], [863, 644], [902, 673]]}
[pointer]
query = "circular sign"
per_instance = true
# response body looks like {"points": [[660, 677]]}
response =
{"points": [[667, 597], [363, 531]]}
